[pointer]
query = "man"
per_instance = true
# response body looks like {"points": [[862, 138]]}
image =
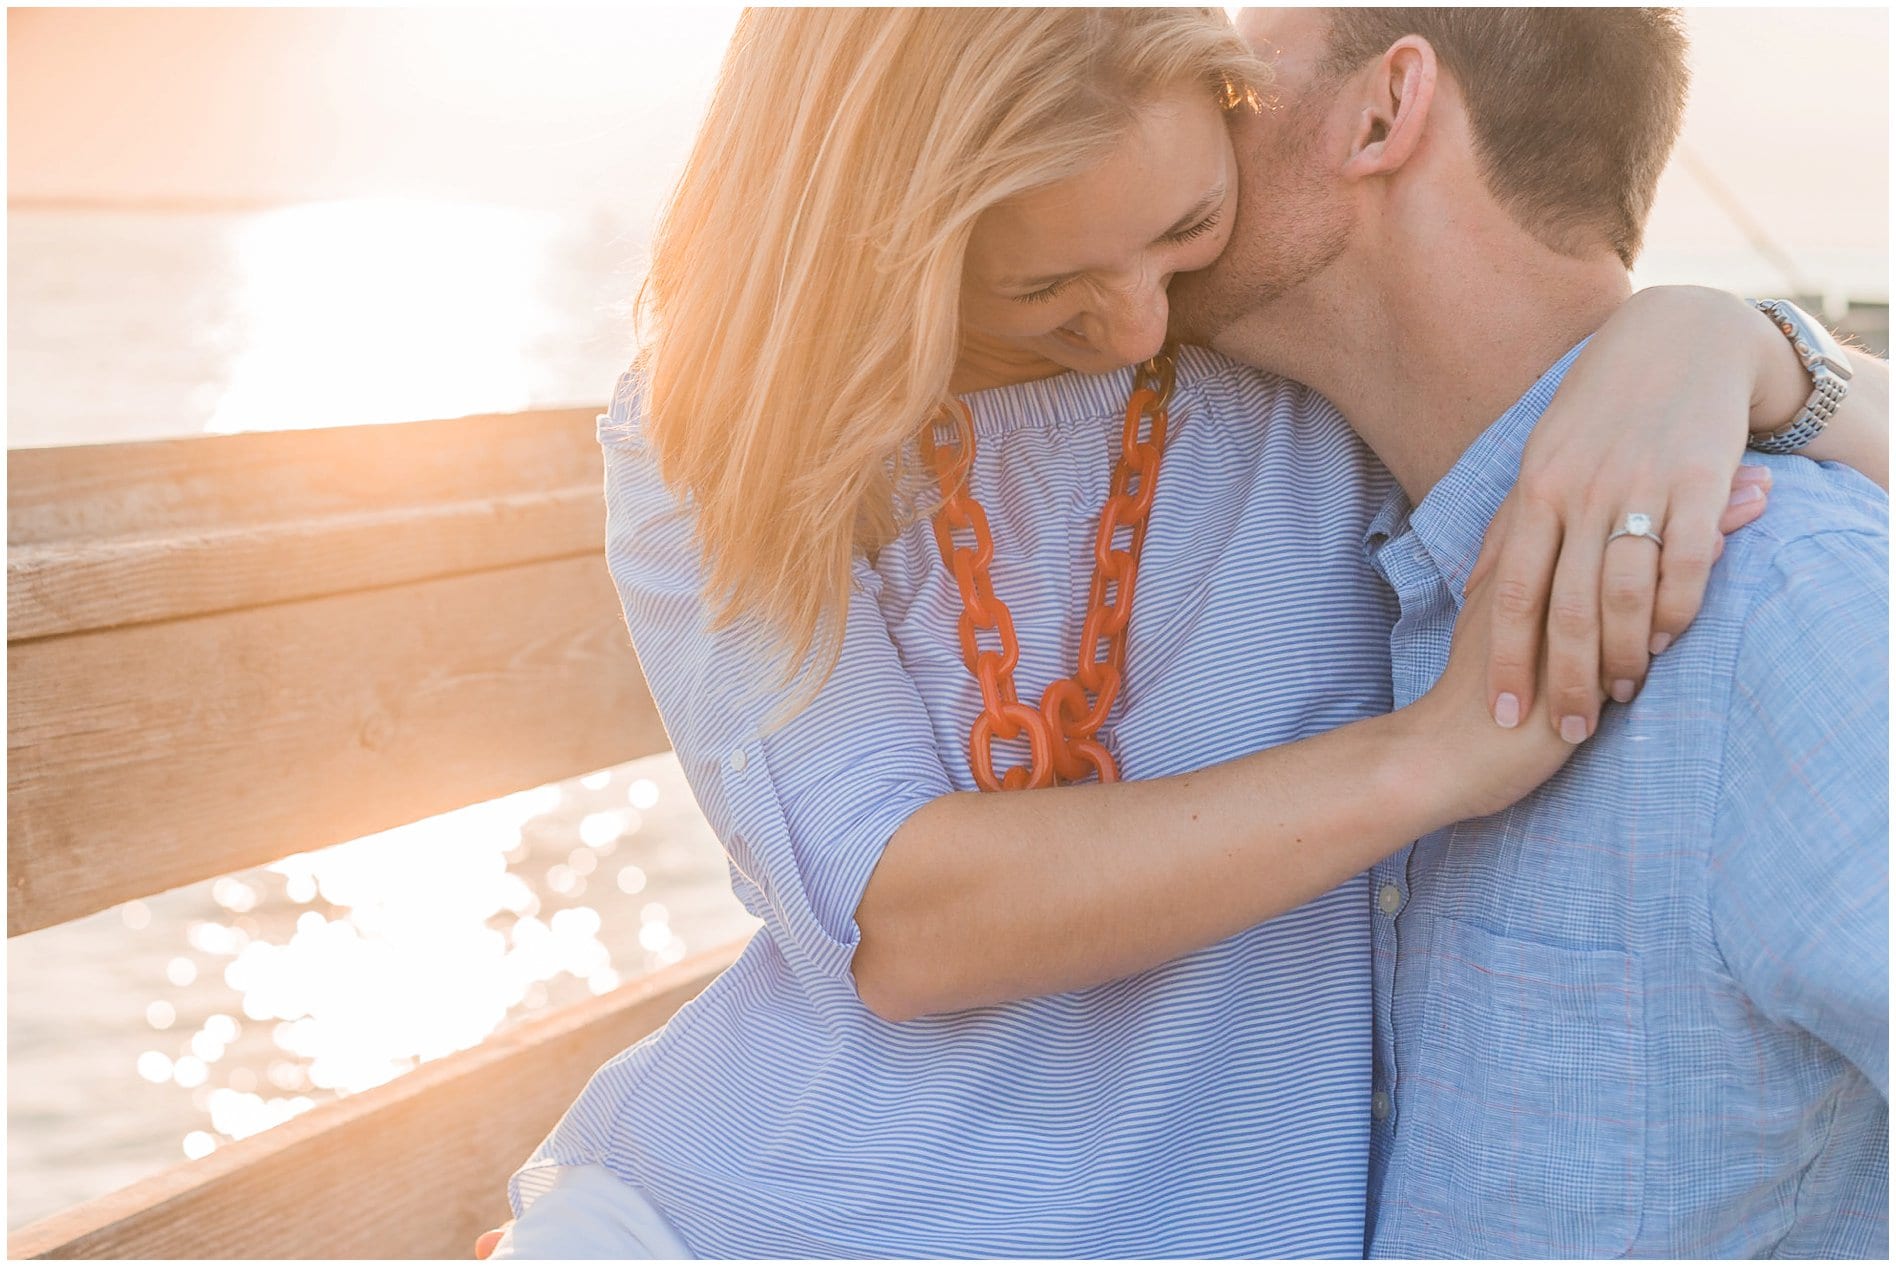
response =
{"points": [[1644, 1011]]}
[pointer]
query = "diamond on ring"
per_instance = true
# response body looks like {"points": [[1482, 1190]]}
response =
{"points": [[1636, 524]]}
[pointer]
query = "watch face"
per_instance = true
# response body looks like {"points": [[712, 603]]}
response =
{"points": [[1813, 340]]}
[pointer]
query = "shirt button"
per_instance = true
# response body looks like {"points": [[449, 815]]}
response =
{"points": [[1379, 1106], [1389, 900], [739, 760]]}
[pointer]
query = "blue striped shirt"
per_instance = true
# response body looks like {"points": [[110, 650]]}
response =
{"points": [[1644, 1012], [1217, 1105]]}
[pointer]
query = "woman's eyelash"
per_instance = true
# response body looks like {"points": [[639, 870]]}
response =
{"points": [[1045, 293], [1198, 230]]}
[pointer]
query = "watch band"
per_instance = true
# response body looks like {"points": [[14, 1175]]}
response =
{"points": [[1824, 360]]}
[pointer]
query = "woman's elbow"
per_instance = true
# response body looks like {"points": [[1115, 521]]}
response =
{"points": [[912, 958], [883, 983], [908, 966]]}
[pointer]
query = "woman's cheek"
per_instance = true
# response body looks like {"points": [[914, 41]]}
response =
{"points": [[992, 316], [1014, 321]]}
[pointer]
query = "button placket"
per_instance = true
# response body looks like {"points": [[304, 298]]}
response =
{"points": [[1389, 895]]}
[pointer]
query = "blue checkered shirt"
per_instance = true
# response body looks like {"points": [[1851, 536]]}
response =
{"points": [[1644, 1012]]}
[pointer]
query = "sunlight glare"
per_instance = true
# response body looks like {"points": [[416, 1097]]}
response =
{"points": [[380, 309]]}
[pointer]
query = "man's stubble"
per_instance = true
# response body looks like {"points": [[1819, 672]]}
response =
{"points": [[1292, 224]]}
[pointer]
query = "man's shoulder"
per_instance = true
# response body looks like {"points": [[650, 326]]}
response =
{"points": [[1793, 636], [1824, 537], [1795, 612], [1810, 499]]}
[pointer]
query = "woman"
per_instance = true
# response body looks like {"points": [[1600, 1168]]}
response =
{"points": [[1122, 1019]]}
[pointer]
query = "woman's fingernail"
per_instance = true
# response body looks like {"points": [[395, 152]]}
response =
{"points": [[1660, 641], [1623, 691], [1573, 729], [1507, 711], [1744, 494], [1753, 475]]}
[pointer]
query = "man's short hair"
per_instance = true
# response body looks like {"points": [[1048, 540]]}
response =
{"points": [[1574, 110]]}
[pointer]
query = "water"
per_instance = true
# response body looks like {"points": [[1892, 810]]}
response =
{"points": [[133, 325]]}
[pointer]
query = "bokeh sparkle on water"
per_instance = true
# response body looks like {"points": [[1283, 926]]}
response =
{"points": [[165, 1028]]}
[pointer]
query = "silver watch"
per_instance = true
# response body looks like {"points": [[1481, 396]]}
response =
{"points": [[1826, 362]]}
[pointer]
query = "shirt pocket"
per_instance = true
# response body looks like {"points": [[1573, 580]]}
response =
{"points": [[1526, 1104]]}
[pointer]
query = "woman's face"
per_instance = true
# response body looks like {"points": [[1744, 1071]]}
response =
{"points": [[1073, 276]]}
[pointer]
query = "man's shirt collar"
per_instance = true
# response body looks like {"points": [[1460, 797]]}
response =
{"points": [[1454, 516]]}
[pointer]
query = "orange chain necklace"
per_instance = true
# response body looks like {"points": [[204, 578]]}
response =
{"points": [[1060, 735]]}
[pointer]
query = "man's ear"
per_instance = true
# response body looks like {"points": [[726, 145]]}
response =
{"points": [[1393, 109]]}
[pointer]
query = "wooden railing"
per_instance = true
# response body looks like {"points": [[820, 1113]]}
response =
{"points": [[225, 650]]}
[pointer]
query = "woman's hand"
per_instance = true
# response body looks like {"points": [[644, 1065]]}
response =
{"points": [[1652, 418], [1480, 767]]}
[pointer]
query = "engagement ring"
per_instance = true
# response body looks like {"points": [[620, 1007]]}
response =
{"points": [[1636, 525]]}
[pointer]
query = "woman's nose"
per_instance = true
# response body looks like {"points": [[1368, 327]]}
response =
{"points": [[1134, 328]]}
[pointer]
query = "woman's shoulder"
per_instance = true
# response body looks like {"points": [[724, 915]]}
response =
{"points": [[623, 422], [1282, 422], [1216, 378], [1204, 378]]}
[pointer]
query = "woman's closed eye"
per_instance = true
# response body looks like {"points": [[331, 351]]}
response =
{"points": [[1045, 293], [1198, 230], [1178, 237]]}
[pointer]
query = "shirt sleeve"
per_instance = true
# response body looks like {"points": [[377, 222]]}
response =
{"points": [[804, 811], [1799, 880]]}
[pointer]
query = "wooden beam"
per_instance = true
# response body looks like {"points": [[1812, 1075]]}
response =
{"points": [[416, 1168], [153, 755], [70, 587], [93, 492], [107, 535]]}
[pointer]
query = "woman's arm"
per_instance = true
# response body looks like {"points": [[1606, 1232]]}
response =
{"points": [[985, 897], [874, 877]]}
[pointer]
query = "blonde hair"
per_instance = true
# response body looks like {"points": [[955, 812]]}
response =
{"points": [[800, 320]]}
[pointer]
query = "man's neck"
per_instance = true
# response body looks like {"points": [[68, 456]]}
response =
{"points": [[1423, 355]]}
